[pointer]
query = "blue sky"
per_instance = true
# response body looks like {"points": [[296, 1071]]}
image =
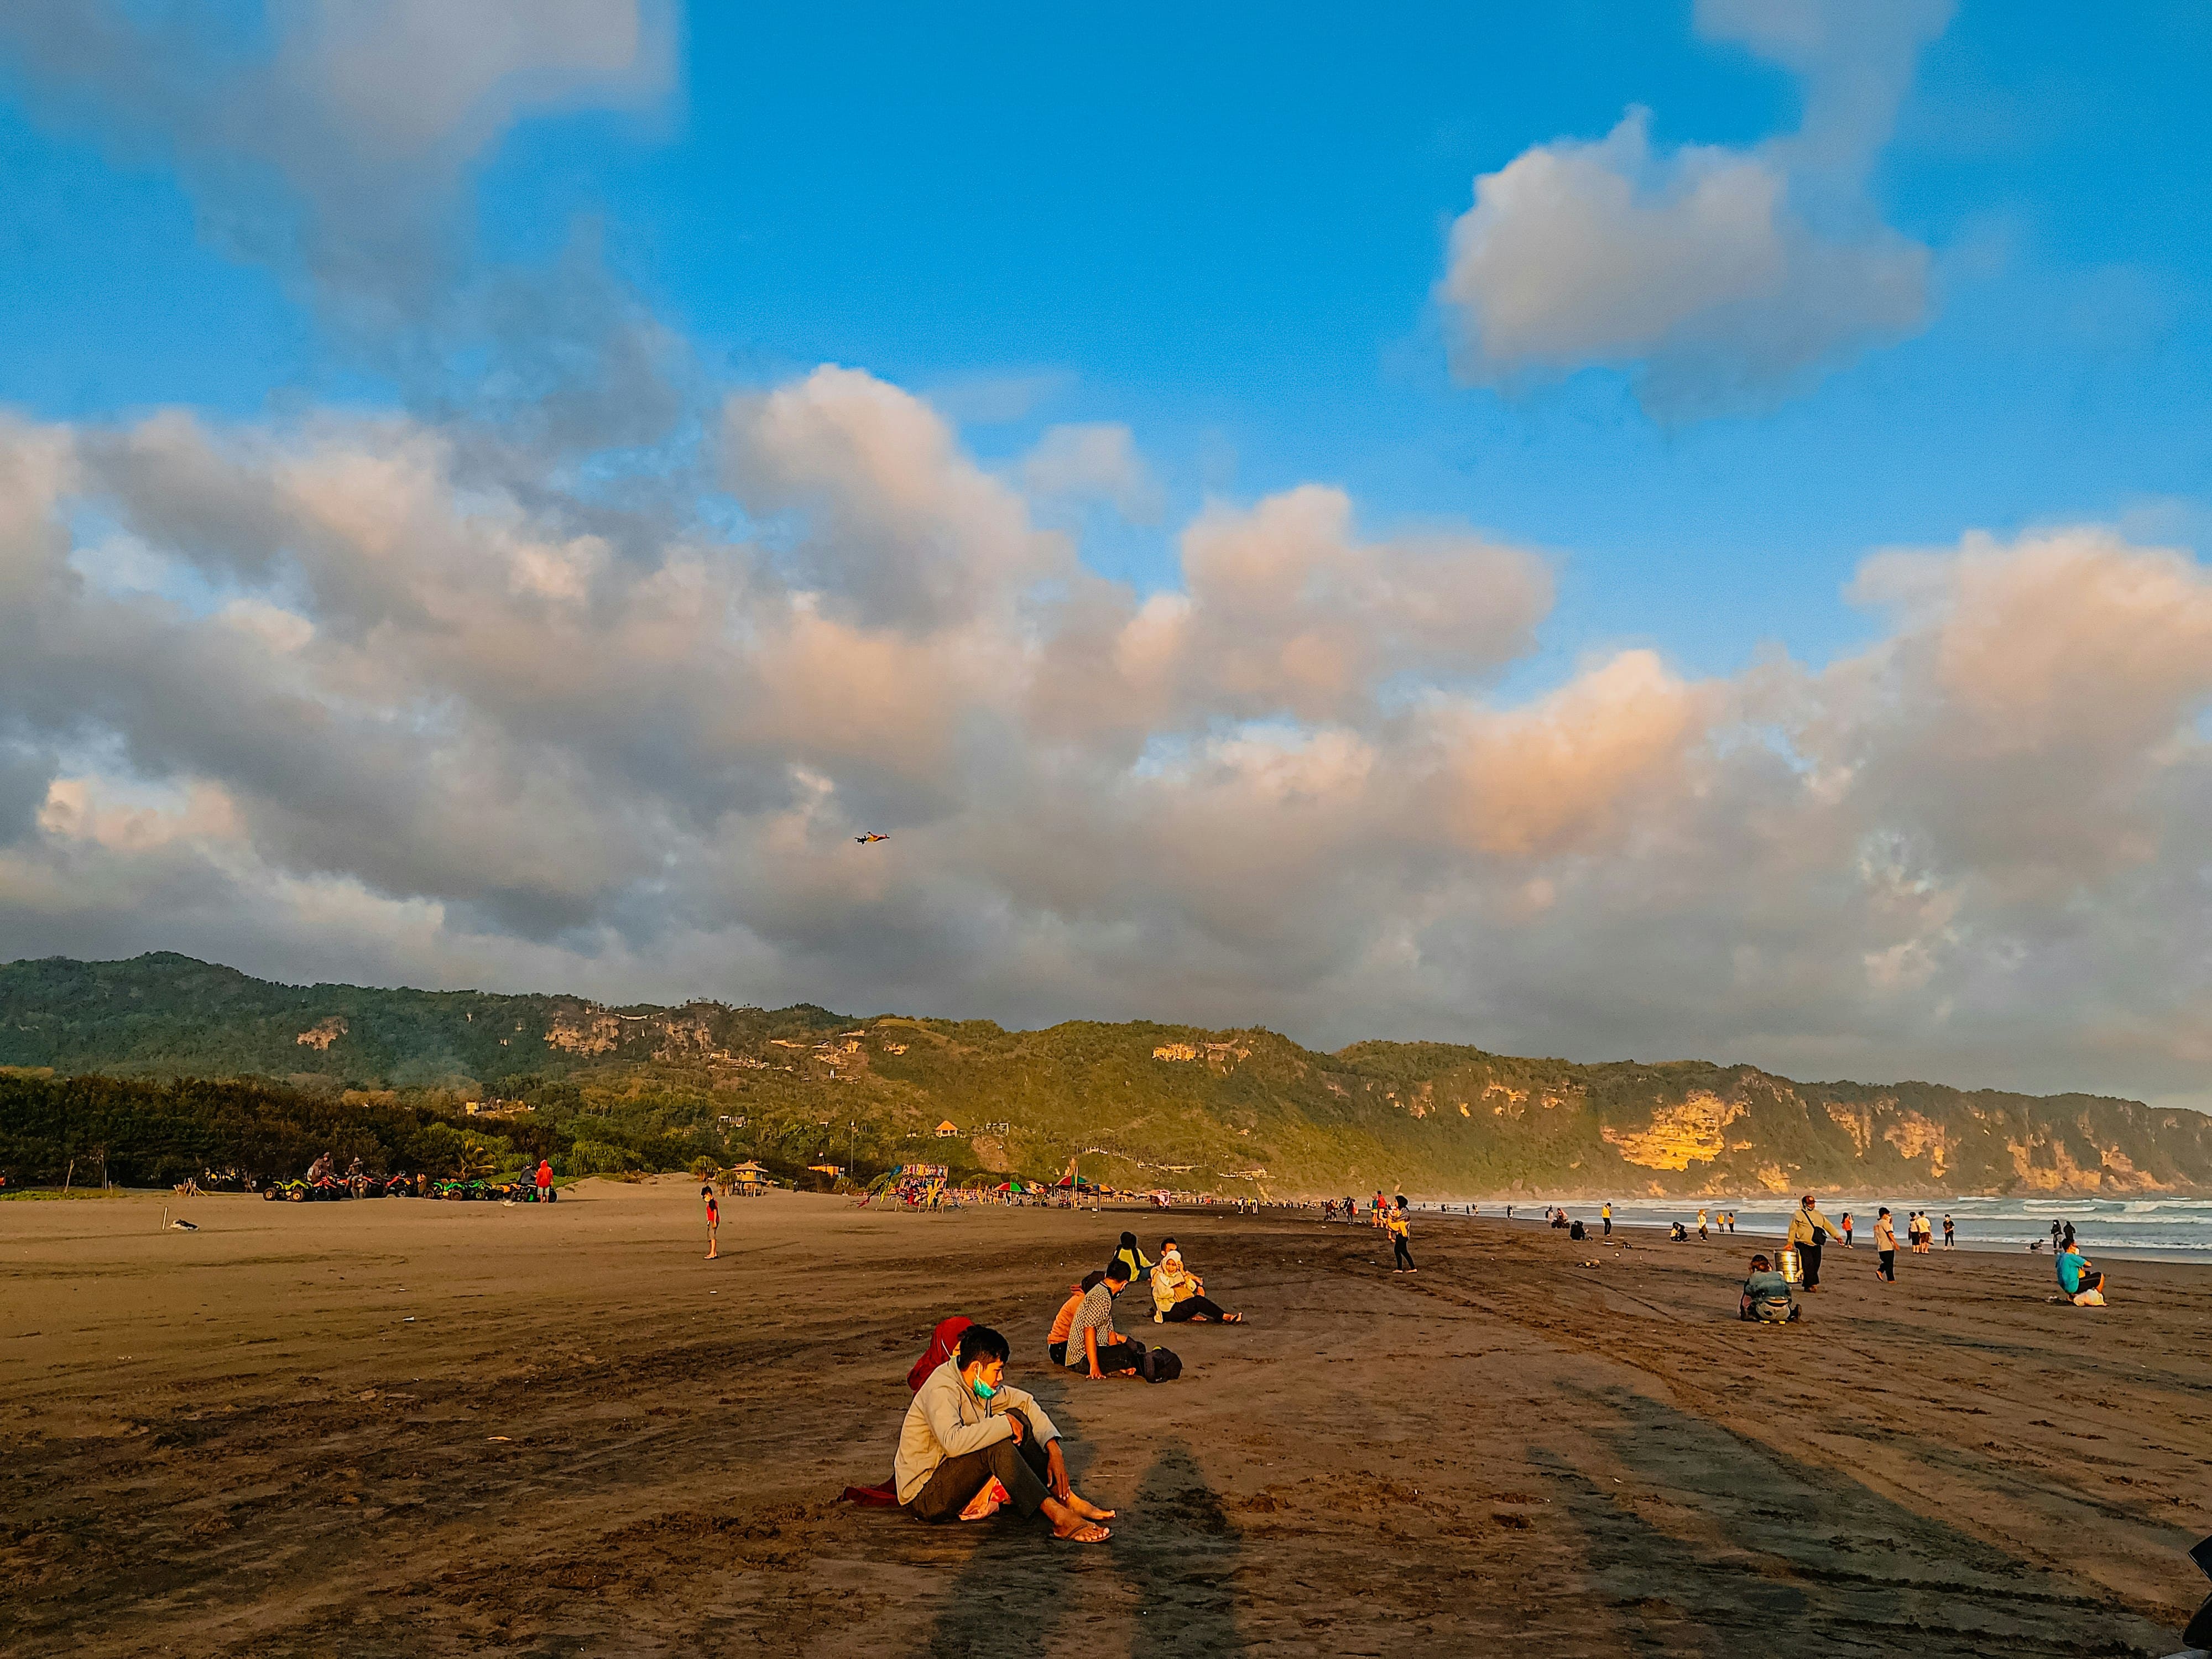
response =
{"points": [[1494, 427], [1225, 235]]}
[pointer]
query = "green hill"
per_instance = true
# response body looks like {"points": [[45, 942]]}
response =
{"points": [[1139, 1104]]}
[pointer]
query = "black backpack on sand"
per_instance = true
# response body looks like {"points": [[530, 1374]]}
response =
{"points": [[1161, 1365]]}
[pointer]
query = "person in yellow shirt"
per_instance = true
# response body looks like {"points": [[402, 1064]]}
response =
{"points": [[1605, 1214], [1808, 1230], [1402, 1259]]}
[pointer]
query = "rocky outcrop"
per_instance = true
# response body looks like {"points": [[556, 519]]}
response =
{"points": [[323, 1033], [1678, 1136]]}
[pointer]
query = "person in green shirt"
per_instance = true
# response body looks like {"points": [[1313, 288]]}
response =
{"points": [[1766, 1299]]}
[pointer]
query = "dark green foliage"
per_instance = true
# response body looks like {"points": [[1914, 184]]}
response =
{"points": [[1139, 1104]]}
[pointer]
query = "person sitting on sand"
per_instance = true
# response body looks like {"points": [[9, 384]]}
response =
{"points": [[2075, 1277], [1179, 1295], [967, 1427], [1766, 1299], [1064, 1321], [1094, 1347], [1808, 1230], [1135, 1260]]}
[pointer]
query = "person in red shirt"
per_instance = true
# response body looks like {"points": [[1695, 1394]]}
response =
{"points": [[544, 1181], [714, 1221]]}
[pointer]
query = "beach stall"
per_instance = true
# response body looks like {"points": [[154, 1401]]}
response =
{"points": [[749, 1180]]}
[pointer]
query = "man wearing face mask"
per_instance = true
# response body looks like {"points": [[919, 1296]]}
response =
{"points": [[968, 1425]]}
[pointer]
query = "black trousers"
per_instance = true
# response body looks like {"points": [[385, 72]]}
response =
{"points": [[1122, 1356], [1889, 1266], [1809, 1255], [1399, 1255], [954, 1483], [1059, 1352], [1193, 1308], [1608, 1226]]}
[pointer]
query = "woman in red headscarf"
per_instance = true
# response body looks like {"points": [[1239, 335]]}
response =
{"points": [[942, 1346]]}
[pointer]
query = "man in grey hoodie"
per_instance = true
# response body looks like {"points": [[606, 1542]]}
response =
{"points": [[967, 1427]]}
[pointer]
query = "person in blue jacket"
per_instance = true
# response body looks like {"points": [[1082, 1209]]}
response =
{"points": [[2074, 1274]]}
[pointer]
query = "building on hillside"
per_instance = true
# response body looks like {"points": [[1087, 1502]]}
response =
{"points": [[947, 1130]]}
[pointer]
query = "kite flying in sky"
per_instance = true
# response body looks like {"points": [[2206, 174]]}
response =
{"points": [[871, 835]]}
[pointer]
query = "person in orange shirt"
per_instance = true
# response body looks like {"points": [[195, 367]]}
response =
{"points": [[1064, 1321]]}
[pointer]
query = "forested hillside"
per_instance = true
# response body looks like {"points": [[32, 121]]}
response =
{"points": [[1139, 1104]]}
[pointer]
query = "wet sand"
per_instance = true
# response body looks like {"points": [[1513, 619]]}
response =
{"points": [[590, 1440]]}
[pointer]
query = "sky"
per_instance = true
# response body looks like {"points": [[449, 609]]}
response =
{"points": [[1592, 530]]}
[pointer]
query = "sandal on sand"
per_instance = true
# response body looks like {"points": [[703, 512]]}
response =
{"points": [[1232, 1319], [1089, 1533]]}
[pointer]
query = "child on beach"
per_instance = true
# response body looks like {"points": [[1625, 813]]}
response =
{"points": [[1847, 1229], [1402, 1259], [1948, 1238], [713, 1223]]}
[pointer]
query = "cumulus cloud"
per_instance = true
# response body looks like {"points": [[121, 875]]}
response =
{"points": [[372, 716], [1720, 278]]}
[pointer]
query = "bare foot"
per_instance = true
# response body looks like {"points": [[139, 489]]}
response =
{"points": [[1232, 1319], [1086, 1508]]}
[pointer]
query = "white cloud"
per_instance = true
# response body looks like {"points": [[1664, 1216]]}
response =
{"points": [[433, 731], [1093, 463], [1720, 278]]}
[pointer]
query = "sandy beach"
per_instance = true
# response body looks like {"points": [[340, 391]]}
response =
{"points": [[403, 1428]]}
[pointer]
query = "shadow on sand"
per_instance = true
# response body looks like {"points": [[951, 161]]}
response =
{"points": [[1751, 1550], [1169, 1571]]}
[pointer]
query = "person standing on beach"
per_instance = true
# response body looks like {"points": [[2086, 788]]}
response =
{"points": [[1885, 1241], [1701, 1221], [1605, 1214], [1847, 1230], [1402, 1259], [1809, 1231], [544, 1181], [2055, 1232], [713, 1222], [1948, 1233]]}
